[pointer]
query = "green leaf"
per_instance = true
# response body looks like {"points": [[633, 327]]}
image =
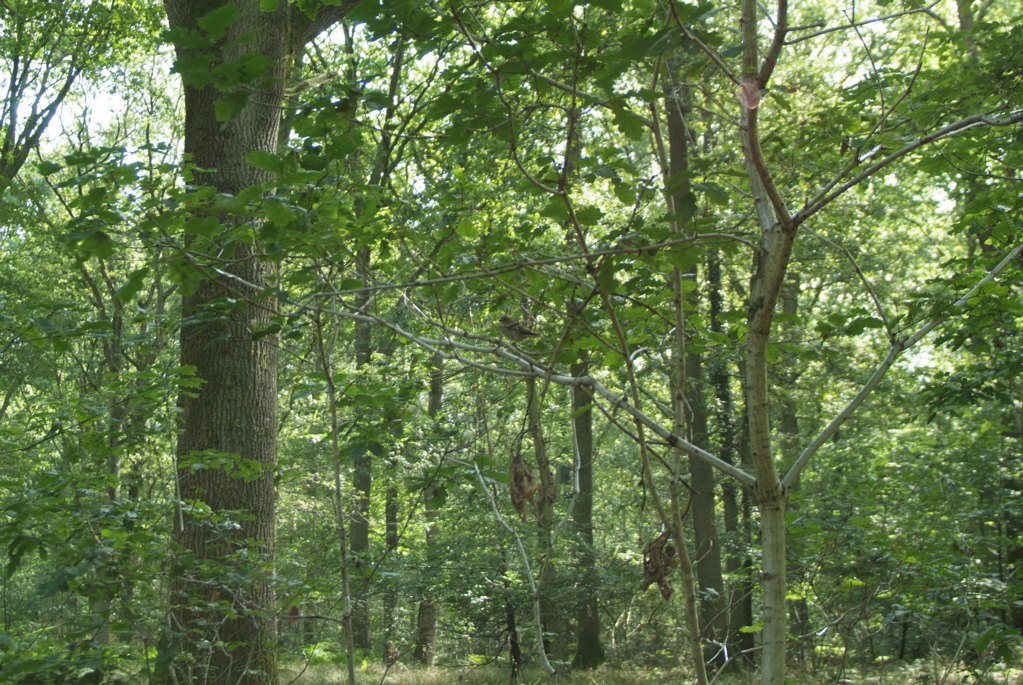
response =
{"points": [[376, 100], [278, 212], [733, 51], [202, 225], [364, 11], [231, 105], [467, 228], [48, 168], [589, 215], [195, 69], [241, 71], [862, 323], [782, 102], [268, 5], [96, 244], [165, 653], [561, 9], [625, 193], [217, 21], [496, 476], [686, 207], [555, 209], [187, 274], [984, 639], [581, 410], [131, 287], [606, 277], [629, 123], [715, 193]]}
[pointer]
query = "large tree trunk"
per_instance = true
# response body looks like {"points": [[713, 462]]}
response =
{"points": [[228, 522], [588, 651]]}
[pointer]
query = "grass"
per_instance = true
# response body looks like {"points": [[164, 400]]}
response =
{"points": [[921, 673], [483, 675]]}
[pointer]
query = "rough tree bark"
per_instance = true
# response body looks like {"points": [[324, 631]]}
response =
{"points": [[233, 416]]}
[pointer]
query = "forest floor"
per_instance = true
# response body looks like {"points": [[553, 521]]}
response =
{"points": [[920, 673]]}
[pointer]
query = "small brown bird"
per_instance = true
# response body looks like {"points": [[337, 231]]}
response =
{"points": [[516, 331]]}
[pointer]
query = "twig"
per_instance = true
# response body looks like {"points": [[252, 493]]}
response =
{"points": [[861, 23], [859, 272]]}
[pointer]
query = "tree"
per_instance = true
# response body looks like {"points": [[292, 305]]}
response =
{"points": [[235, 61]]}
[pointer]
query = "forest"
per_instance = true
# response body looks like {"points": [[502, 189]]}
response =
{"points": [[619, 341]]}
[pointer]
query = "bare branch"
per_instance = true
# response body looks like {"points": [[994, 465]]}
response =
{"points": [[453, 349], [861, 23], [780, 29], [818, 203], [897, 347]]}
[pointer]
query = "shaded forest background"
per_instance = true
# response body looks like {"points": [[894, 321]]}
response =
{"points": [[256, 405]]}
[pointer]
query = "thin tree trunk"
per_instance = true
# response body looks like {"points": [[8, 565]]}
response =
{"points": [[391, 540], [426, 628], [689, 397], [363, 472], [737, 594], [327, 366], [744, 608], [363, 461], [688, 405], [589, 653], [777, 234], [546, 497], [772, 257], [788, 430]]}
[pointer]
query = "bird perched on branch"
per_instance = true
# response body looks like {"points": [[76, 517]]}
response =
{"points": [[516, 331]]}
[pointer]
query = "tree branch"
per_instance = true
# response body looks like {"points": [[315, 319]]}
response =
{"points": [[897, 347], [303, 29], [819, 202], [861, 23]]}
